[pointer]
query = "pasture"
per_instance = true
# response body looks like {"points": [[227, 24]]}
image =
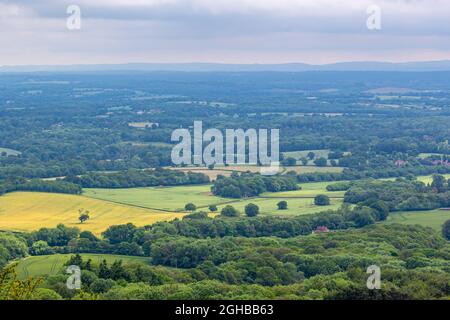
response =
{"points": [[9, 152], [175, 198], [296, 206], [228, 170], [53, 264], [159, 198], [434, 218], [429, 179], [303, 154], [28, 211]]}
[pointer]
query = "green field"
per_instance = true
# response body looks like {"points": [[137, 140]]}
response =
{"points": [[52, 264], [308, 190], [303, 154], [434, 218], [162, 198], [427, 155], [296, 206], [9, 152], [175, 198], [429, 179]]}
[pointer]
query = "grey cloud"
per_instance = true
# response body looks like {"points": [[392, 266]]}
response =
{"points": [[222, 30]]}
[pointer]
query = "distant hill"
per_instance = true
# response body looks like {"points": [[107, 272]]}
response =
{"points": [[426, 66]]}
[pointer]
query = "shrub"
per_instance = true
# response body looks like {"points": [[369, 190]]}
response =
{"points": [[229, 211], [282, 205], [251, 210], [322, 200]]}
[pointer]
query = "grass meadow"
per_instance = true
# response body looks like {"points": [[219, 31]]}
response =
{"points": [[52, 264]]}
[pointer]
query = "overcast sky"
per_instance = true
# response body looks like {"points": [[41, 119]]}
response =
{"points": [[223, 31]]}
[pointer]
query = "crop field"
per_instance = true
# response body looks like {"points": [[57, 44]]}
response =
{"points": [[52, 264], [434, 218], [28, 211]]}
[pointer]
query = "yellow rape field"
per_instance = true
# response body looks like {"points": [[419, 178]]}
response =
{"points": [[29, 211]]}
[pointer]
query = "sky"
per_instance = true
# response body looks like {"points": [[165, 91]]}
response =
{"points": [[35, 32]]}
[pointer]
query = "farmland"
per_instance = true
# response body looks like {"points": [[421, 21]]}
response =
{"points": [[434, 219], [175, 198], [27, 211], [163, 198], [9, 152], [228, 170], [52, 264]]}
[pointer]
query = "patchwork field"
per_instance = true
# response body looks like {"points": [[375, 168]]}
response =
{"points": [[27, 211], [434, 219], [52, 264]]}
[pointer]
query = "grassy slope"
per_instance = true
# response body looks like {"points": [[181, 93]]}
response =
{"points": [[52, 264], [434, 219]]}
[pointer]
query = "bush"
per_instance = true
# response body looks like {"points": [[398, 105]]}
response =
{"points": [[321, 162], [190, 207], [446, 230], [229, 211], [45, 294], [213, 208], [40, 248], [322, 200], [282, 205], [251, 210]]}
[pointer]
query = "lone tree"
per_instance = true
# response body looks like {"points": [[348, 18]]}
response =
{"points": [[282, 205], [322, 200], [84, 215], [190, 207], [229, 211], [213, 208], [251, 210], [446, 230]]}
